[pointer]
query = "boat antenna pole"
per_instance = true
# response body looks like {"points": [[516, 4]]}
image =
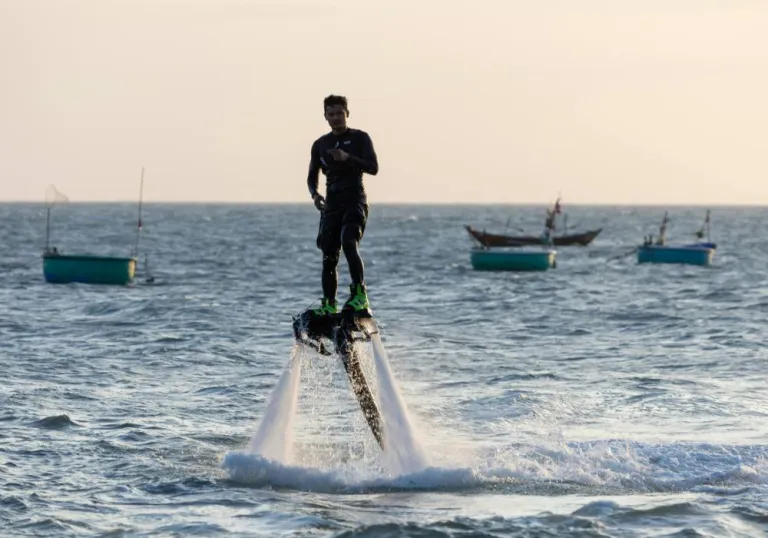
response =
{"points": [[138, 224], [662, 239], [709, 239], [47, 226], [51, 197]]}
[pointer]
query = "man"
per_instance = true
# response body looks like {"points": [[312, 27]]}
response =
{"points": [[343, 155]]}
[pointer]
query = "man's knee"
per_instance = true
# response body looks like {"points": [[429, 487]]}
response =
{"points": [[329, 242], [351, 235], [349, 246], [331, 257]]}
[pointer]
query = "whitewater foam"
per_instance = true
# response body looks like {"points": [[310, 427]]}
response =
{"points": [[614, 466]]}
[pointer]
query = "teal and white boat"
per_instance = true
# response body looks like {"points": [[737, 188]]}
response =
{"points": [[685, 254], [659, 251], [60, 268], [501, 259], [88, 269]]}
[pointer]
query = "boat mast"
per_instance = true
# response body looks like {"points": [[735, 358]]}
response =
{"points": [[51, 197], [662, 240], [47, 226], [709, 240], [138, 224]]}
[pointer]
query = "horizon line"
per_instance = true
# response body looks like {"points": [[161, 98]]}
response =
{"points": [[408, 203]]}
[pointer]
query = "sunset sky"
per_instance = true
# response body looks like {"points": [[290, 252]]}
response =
{"points": [[507, 101]]}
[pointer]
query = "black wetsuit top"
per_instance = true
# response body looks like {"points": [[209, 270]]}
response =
{"points": [[344, 179]]}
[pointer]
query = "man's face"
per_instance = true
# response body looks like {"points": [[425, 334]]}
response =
{"points": [[336, 116]]}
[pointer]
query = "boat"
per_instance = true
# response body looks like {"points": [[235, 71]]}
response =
{"points": [[60, 268], [497, 259], [547, 238], [87, 269], [566, 240], [659, 251], [691, 255]]}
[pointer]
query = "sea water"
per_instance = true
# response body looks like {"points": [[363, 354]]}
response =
{"points": [[602, 398]]}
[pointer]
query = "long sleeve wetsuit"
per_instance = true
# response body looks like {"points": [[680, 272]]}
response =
{"points": [[342, 176], [344, 218]]}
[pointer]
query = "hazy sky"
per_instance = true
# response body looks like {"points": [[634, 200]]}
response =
{"points": [[612, 101]]}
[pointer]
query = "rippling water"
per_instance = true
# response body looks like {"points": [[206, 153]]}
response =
{"points": [[601, 398]]}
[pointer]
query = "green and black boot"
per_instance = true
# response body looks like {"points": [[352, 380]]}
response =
{"points": [[327, 307], [358, 298]]}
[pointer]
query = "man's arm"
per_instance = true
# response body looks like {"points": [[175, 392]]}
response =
{"points": [[367, 161], [314, 172]]}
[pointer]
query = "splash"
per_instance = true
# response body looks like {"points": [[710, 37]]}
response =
{"points": [[402, 451], [545, 466], [274, 437], [615, 467]]}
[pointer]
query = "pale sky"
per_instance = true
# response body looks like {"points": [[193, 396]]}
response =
{"points": [[503, 101]]}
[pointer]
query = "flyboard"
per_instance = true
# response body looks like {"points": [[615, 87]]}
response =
{"points": [[338, 333]]}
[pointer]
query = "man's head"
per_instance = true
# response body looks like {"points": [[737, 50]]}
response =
{"points": [[336, 111]]}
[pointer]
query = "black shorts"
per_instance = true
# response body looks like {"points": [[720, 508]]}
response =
{"points": [[342, 223]]}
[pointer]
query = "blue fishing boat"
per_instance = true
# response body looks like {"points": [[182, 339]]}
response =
{"points": [[87, 269], [59, 268], [691, 255], [486, 259], [659, 251]]}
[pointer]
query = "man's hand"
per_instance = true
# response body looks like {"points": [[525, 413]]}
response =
{"points": [[319, 201], [339, 154]]}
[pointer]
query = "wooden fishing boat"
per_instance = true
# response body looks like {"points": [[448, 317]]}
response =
{"points": [[496, 240], [497, 259]]}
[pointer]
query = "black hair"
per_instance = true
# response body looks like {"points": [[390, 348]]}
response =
{"points": [[333, 100]]}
